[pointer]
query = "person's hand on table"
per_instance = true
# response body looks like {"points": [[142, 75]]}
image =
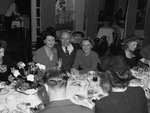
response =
{"points": [[74, 71], [137, 82]]}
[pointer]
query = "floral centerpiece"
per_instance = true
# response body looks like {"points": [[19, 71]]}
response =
{"points": [[27, 76]]}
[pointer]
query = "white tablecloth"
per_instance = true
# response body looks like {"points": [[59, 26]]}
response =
{"points": [[143, 78], [106, 31], [82, 89], [74, 87], [17, 98]]}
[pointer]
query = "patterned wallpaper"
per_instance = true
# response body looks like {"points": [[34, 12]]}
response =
{"points": [[65, 13]]}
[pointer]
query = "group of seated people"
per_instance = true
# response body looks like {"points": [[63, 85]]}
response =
{"points": [[122, 98], [79, 58], [68, 55]]}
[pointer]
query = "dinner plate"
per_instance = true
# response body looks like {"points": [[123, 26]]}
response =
{"points": [[2, 84], [4, 91], [136, 82], [23, 106], [79, 97], [75, 83], [81, 77], [28, 92]]}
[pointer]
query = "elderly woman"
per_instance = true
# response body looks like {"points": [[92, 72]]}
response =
{"points": [[47, 54], [86, 59], [6, 63], [121, 98], [131, 56]]}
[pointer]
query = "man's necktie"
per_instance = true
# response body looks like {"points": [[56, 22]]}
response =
{"points": [[66, 51]]}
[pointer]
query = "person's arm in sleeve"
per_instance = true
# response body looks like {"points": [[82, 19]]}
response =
{"points": [[37, 57], [76, 61], [145, 52], [140, 58], [145, 61], [75, 66]]}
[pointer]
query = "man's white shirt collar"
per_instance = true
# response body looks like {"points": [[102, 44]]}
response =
{"points": [[70, 48]]}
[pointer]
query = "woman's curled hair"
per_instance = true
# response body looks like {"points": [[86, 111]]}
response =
{"points": [[48, 32], [3, 44]]}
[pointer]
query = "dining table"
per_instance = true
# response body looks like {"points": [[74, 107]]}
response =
{"points": [[15, 101], [81, 90], [142, 79]]}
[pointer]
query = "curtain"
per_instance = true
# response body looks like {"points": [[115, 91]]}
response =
{"points": [[130, 17], [92, 11], [121, 4], [65, 14], [47, 13], [4, 4], [101, 5], [147, 25]]}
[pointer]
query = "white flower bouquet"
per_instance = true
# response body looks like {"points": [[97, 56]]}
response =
{"points": [[27, 77]]}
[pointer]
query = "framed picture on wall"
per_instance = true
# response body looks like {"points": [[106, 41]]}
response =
{"points": [[65, 14]]}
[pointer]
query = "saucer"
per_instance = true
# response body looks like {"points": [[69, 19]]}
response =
{"points": [[3, 91], [23, 106], [28, 92]]}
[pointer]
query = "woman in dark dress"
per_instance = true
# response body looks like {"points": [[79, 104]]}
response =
{"points": [[6, 63], [121, 98], [130, 54]]}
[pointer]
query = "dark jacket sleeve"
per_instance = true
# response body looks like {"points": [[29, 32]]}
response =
{"points": [[76, 61]]}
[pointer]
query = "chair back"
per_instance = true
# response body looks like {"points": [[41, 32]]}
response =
{"points": [[102, 46]]}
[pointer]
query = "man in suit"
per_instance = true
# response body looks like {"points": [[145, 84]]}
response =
{"points": [[66, 50], [56, 82], [122, 96]]}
